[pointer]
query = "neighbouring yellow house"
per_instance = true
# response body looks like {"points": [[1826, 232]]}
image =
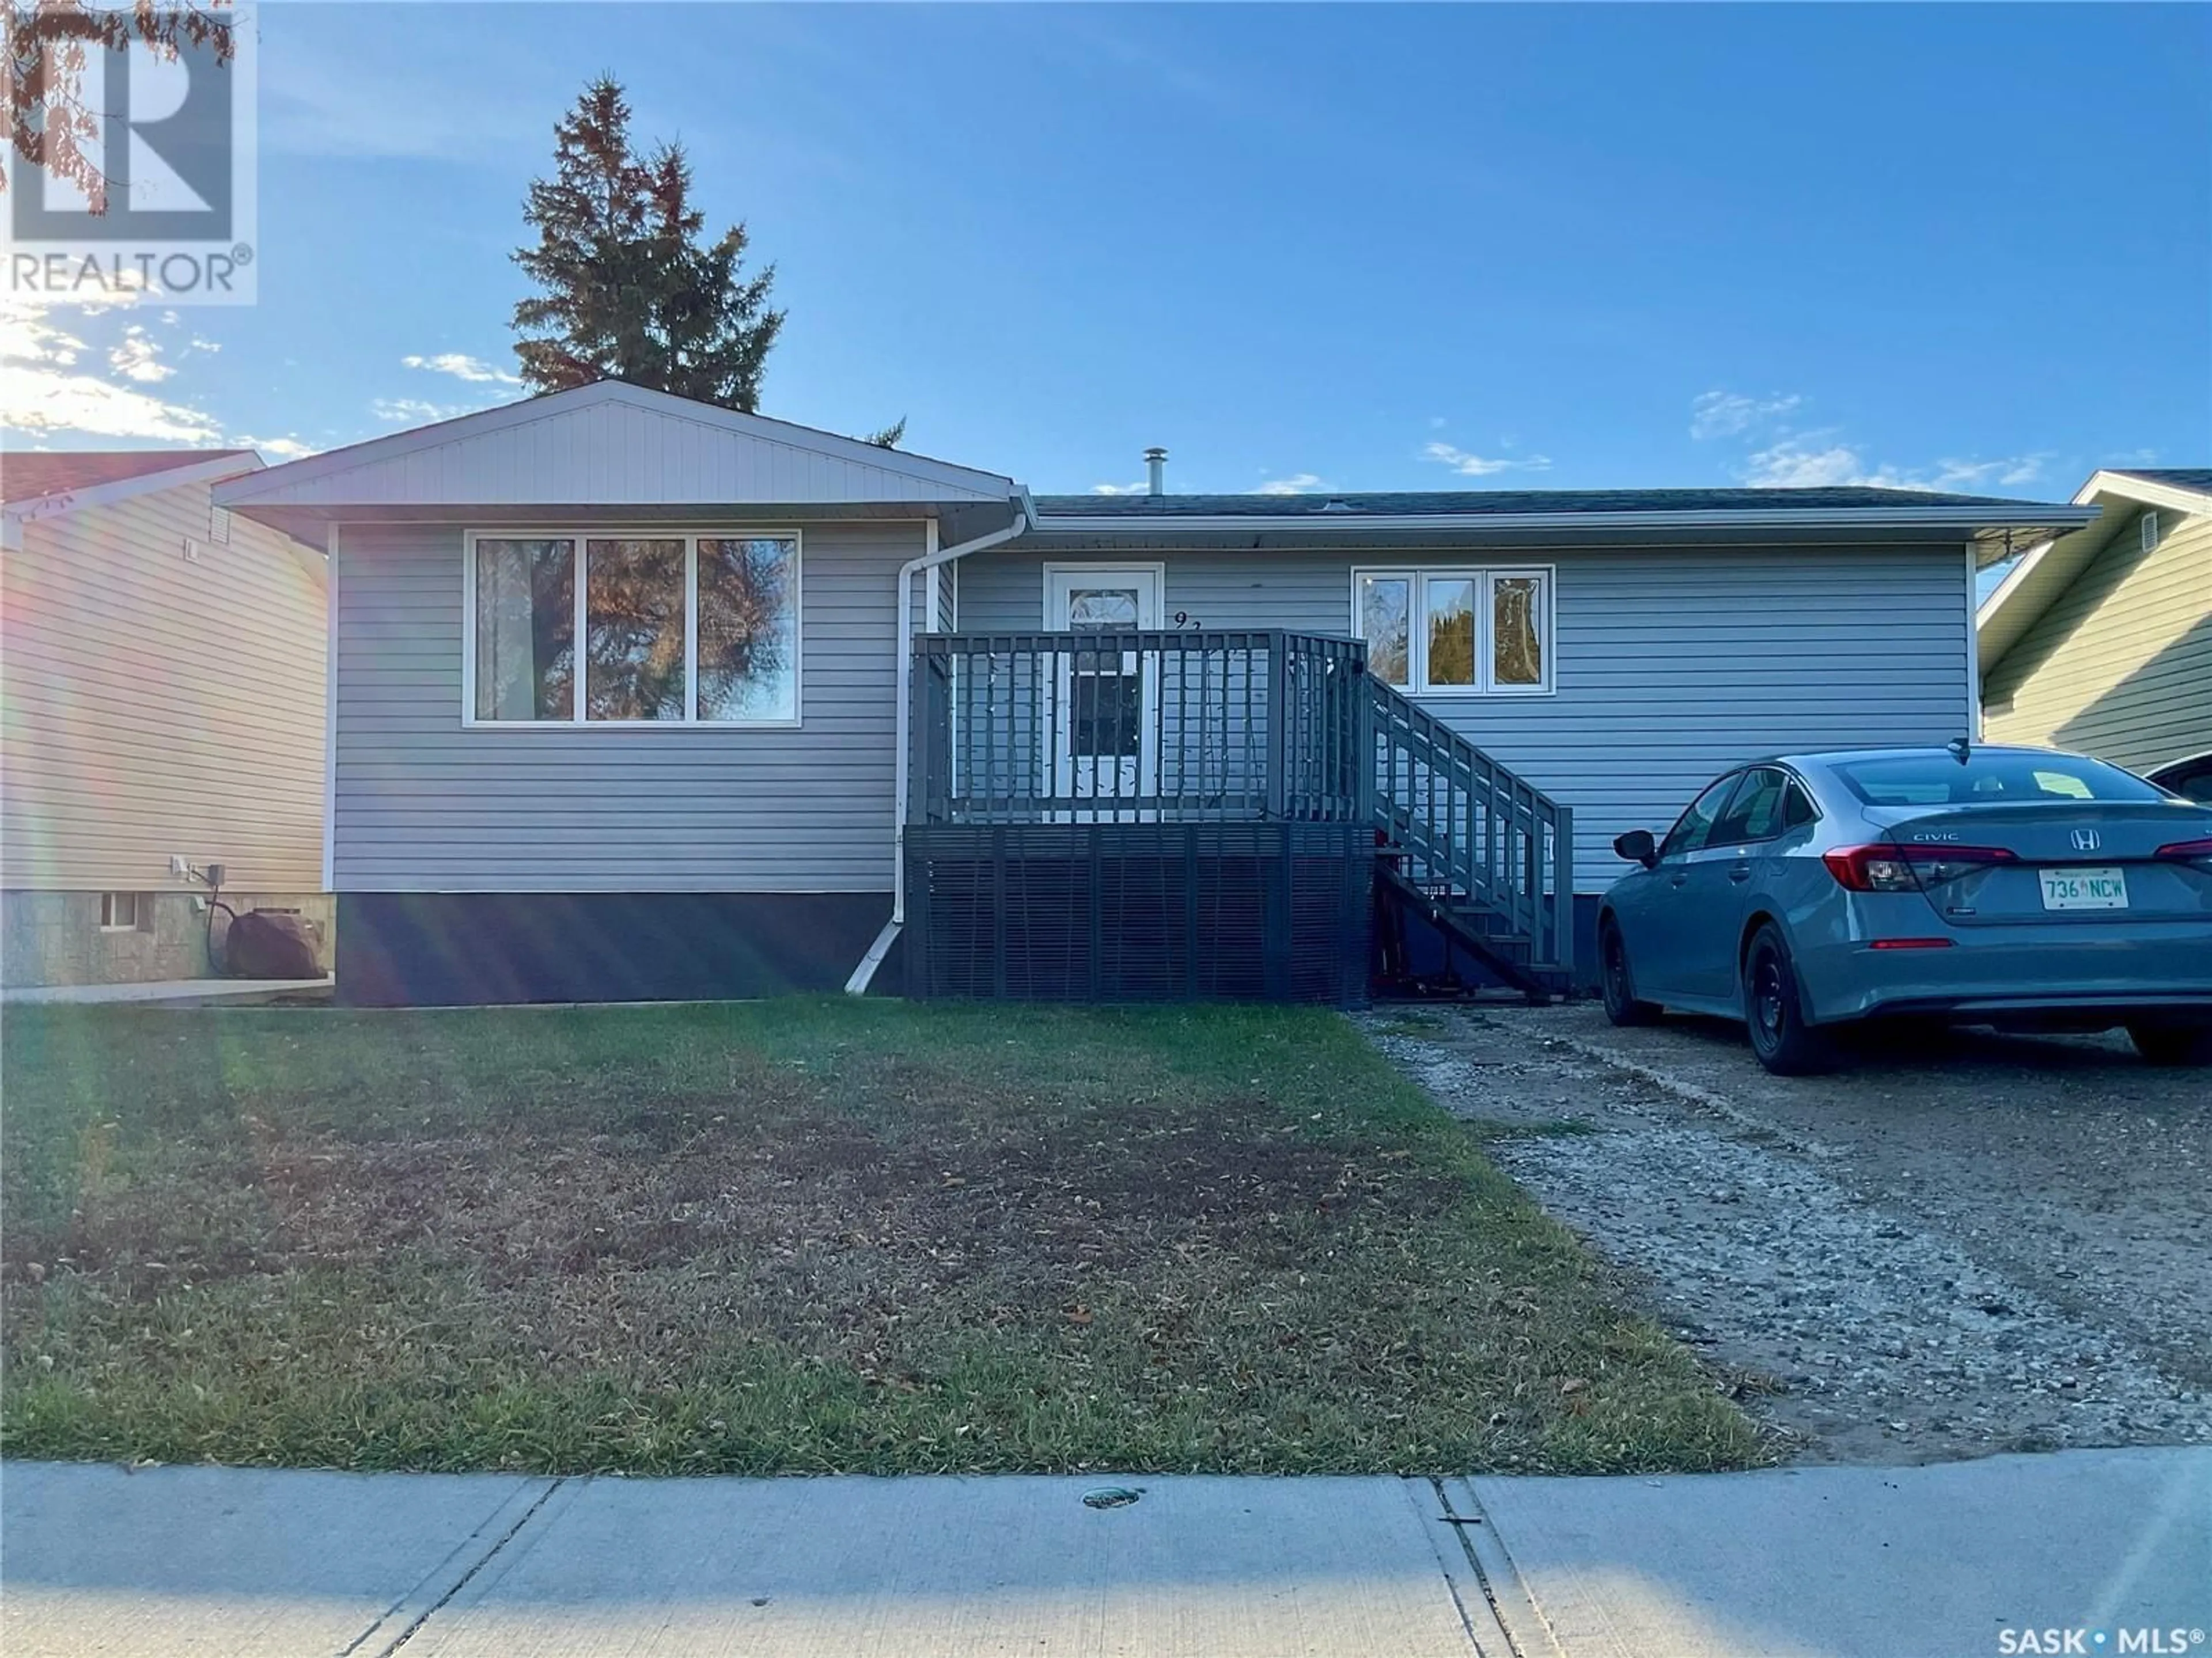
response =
{"points": [[2101, 641], [162, 675]]}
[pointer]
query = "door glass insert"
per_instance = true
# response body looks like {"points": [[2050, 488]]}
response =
{"points": [[1104, 692], [1105, 716]]}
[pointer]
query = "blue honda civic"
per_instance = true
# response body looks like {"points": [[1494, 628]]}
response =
{"points": [[2020, 888]]}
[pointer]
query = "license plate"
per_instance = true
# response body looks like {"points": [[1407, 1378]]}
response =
{"points": [[2084, 889]]}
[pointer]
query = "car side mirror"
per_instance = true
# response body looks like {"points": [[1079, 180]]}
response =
{"points": [[1637, 847]]}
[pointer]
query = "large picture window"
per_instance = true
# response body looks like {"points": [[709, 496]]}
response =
{"points": [[1456, 632], [618, 628]]}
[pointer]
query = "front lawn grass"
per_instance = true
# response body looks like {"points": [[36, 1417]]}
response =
{"points": [[800, 1236]]}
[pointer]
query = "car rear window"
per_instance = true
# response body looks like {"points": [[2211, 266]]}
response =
{"points": [[1939, 778]]}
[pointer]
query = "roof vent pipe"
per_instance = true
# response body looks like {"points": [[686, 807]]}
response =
{"points": [[1156, 468]]}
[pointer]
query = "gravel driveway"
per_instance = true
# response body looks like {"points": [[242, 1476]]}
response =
{"points": [[1978, 1243]]}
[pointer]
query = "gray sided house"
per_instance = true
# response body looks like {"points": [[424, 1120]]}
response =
{"points": [[636, 698]]}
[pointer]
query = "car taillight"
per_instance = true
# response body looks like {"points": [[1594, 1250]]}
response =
{"points": [[1869, 869], [2189, 851], [1907, 869]]}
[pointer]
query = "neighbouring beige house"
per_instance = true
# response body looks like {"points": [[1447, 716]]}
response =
{"points": [[162, 686], [2101, 641]]}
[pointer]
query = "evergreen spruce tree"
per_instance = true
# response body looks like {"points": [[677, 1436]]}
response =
{"points": [[631, 292]]}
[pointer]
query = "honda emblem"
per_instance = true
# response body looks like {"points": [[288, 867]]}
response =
{"points": [[2085, 840]]}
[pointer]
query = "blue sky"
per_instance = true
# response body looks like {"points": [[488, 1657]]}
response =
{"points": [[1302, 248]]}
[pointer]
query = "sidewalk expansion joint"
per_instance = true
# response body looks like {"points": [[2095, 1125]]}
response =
{"points": [[462, 1581], [1458, 1525]]}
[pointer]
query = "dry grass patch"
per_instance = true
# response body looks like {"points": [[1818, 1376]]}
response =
{"points": [[798, 1236]]}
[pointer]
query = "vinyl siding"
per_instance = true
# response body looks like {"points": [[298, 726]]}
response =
{"points": [[1671, 664], [2120, 665], [156, 705], [425, 805], [944, 597]]}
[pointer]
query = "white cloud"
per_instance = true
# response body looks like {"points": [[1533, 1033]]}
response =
{"points": [[415, 412], [1724, 414], [137, 356], [472, 371], [282, 448], [1136, 489], [463, 367], [49, 385], [45, 390], [1795, 463], [1477, 466], [1815, 460], [1436, 423], [2012, 470], [1297, 483]]}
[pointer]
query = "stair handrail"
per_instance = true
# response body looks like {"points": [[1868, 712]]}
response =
{"points": [[1470, 829]]}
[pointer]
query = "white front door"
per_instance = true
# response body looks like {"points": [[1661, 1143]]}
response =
{"points": [[1105, 735]]}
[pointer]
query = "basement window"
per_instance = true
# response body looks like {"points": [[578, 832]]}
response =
{"points": [[1457, 632], [126, 912]]}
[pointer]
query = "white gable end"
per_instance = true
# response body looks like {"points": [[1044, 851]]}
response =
{"points": [[614, 445]]}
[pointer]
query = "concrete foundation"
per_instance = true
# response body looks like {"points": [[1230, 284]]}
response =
{"points": [[56, 939]]}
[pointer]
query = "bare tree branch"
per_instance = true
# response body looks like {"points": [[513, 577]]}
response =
{"points": [[50, 123]]}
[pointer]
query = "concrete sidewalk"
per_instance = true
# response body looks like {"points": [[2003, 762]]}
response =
{"points": [[1889, 1563]]}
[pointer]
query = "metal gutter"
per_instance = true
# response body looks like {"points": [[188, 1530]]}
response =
{"points": [[1025, 520], [2026, 515]]}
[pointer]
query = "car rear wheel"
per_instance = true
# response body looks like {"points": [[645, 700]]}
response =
{"points": [[1774, 1012], [1621, 1006], [2172, 1044]]}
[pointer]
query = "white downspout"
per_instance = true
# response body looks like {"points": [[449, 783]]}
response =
{"points": [[1025, 520]]}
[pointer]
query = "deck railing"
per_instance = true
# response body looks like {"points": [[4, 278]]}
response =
{"points": [[1181, 726], [1234, 726]]}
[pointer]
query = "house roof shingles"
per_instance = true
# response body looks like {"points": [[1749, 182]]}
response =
{"points": [[27, 477], [1476, 503]]}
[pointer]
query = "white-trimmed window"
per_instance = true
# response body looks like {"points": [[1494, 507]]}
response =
{"points": [[126, 912], [1456, 632], [675, 628]]}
